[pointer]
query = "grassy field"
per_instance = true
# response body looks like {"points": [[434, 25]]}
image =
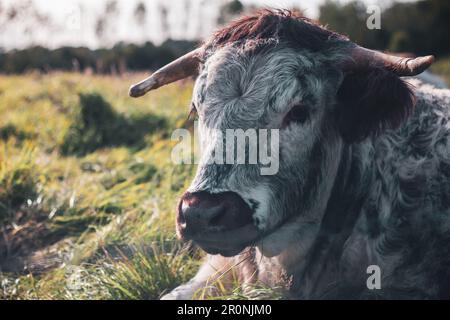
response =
{"points": [[88, 190]]}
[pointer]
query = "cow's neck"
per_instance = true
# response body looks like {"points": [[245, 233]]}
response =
{"points": [[343, 208]]}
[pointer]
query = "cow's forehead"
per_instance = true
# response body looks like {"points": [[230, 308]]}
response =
{"points": [[235, 79]]}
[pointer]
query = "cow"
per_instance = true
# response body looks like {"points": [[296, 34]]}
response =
{"points": [[364, 165]]}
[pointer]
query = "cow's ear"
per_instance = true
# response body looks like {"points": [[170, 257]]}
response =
{"points": [[370, 101]]}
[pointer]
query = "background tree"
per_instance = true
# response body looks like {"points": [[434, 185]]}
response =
{"points": [[418, 27], [230, 10]]}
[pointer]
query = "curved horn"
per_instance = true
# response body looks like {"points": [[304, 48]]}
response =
{"points": [[400, 65], [181, 68]]}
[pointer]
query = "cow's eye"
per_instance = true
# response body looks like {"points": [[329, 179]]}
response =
{"points": [[193, 115], [298, 114]]}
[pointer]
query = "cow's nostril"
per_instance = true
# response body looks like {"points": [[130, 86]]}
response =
{"points": [[195, 216]]}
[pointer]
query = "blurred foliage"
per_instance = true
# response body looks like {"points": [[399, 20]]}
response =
{"points": [[420, 27], [229, 11], [442, 68], [98, 125], [17, 181], [350, 20], [9, 131]]}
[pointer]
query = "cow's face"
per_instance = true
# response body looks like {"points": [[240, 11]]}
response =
{"points": [[230, 206], [311, 104]]}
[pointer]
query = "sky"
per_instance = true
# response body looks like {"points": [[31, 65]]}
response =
{"points": [[53, 23]]}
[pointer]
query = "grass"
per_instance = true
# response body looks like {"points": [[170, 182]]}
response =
{"points": [[142, 275], [18, 180], [88, 189], [96, 125]]}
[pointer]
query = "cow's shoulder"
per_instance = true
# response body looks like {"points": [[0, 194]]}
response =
{"points": [[404, 226], [412, 163]]}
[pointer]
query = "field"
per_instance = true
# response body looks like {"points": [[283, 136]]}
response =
{"points": [[88, 190], [442, 68]]}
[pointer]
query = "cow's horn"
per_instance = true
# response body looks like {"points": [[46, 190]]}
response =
{"points": [[181, 68], [402, 66]]}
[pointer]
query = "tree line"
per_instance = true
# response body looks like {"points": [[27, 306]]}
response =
{"points": [[122, 57]]}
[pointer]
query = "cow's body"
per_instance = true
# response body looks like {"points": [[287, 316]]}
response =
{"points": [[389, 207], [403, 224]]}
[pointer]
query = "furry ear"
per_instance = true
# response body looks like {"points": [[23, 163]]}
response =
{"points": [[370, 101]]}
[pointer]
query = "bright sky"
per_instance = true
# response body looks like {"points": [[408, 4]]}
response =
{"points": [[310, 6], [183, 23]]}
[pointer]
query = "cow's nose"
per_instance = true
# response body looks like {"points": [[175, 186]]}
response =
{"points": [[202, 212]]}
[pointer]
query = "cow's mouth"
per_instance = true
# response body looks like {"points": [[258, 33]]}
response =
{"points": [[227, 242]]}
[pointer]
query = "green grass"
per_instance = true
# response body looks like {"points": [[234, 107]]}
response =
{"points": [[88, 190], [96, 125], [18, 180]]}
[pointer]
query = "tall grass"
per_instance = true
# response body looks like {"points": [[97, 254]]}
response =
{"points": [[18, 179], [146, 274], [96, 124]]}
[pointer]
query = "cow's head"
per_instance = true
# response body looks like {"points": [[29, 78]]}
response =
{"points": [[276, 70]]}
